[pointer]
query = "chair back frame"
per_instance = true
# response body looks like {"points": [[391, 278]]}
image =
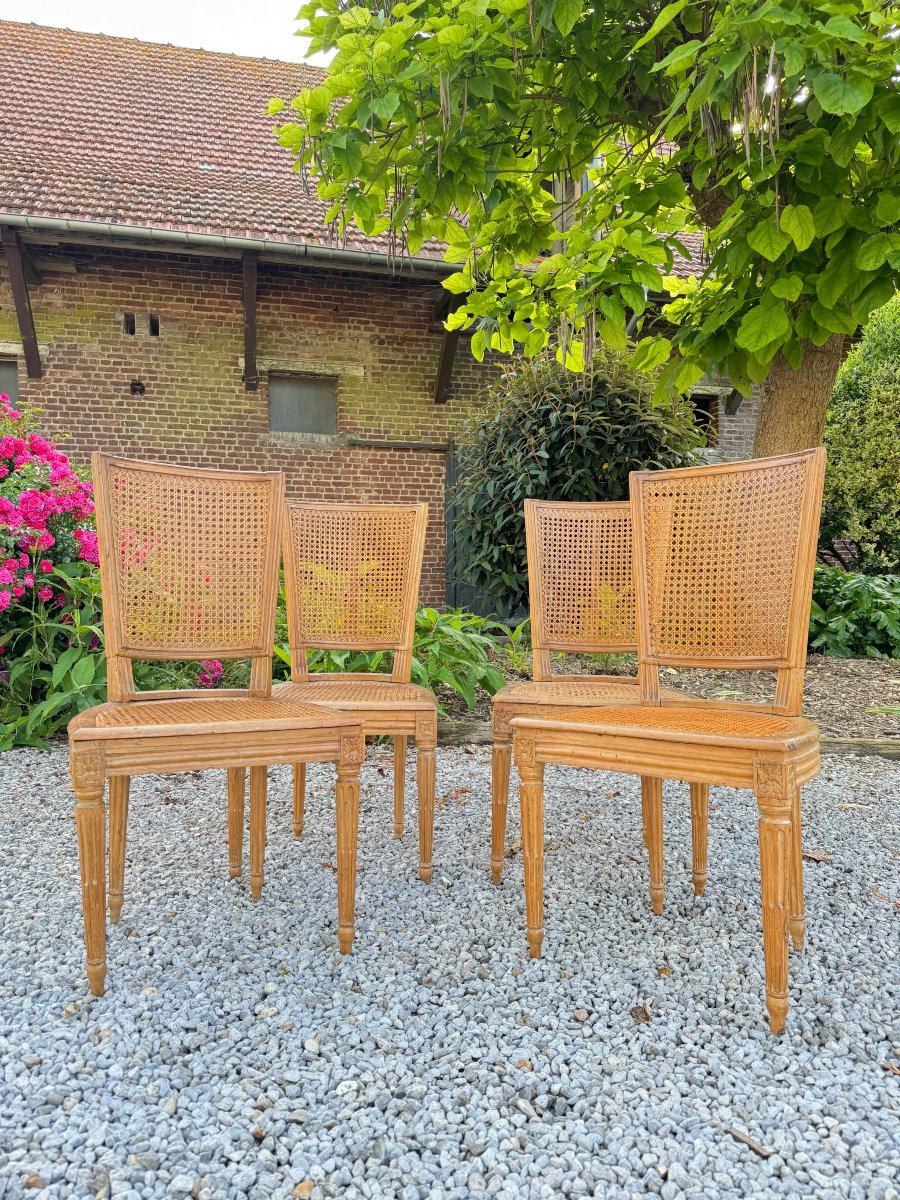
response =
{"points": [[609, 521], [254, 643], [411, 548], [801, 520]]}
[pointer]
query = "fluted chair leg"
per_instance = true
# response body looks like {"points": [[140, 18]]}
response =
{"points": [[531, 807], [118, 829], [797, 903], [699, 834], [500, 760], [258, 782], [299, 797], [236, 785], [399, 783], [651, 806]]}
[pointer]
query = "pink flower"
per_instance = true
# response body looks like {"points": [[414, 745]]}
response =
{"points": [[211, 673], [46, 566], [87, 545], [6, 576], [28, 579], [5, 600], [18, 591], [45, 594]]}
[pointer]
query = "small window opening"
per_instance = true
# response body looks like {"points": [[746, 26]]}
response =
{"points": [[303, 404], [154, 324], [706, 414], [9, 379], [137, 388], [128, 323]]}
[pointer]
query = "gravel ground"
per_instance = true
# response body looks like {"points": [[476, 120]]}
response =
{"points": [[236, 1054]]}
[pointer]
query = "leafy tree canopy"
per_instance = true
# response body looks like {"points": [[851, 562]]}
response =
{"points": [[773, 126]]}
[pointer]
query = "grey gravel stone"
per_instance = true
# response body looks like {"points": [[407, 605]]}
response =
{"points": [[238, 1054]]}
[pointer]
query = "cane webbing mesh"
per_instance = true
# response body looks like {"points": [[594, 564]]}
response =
{"points": [[207, 712], [354, 691], [720, 552], [353, 569], [586, 588], [684, 720], [189, 552], [552, 692]]}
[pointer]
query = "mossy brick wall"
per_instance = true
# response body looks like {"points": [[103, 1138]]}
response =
{"points": [[377, 336]]}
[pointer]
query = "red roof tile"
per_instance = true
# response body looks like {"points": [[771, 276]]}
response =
{"points": [[119, 131]]}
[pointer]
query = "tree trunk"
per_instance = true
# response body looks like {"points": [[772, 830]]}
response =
{"points": [[793, 403]]}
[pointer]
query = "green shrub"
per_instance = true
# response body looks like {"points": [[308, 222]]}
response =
{"points": [[862, 433], [545, 432], [855, 616]]}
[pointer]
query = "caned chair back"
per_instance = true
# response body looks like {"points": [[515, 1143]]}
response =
{"points": [[352, 576], [188, 565], [724, 559], [580, 579]]}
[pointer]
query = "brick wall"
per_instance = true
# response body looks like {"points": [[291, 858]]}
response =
{"points": [[376, 336]]}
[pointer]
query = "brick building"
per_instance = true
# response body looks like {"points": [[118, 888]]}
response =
{"points": [[185, 301]]}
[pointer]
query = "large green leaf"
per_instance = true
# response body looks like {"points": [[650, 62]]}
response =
{"points": [[797, 221], [874, 250], [761, 326], [566, 14], [768, 240], [832, 284], [665, 17], [682, 54], [842, 94]]}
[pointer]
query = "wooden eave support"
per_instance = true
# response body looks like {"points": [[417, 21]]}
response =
{"points": [[448, 352], [733, 402], [250, 261], [12, 245]]}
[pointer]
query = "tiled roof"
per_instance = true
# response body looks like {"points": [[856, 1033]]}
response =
{"points": [[114, 130], [104, 129]]}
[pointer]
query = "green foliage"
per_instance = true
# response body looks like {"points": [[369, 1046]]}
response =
{"points": [[51, 661], [452, 649], [549, 433], [862, 433], [855, 616], [769, 127]]}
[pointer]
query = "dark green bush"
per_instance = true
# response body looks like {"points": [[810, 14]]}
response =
{"points": [[855, 616], [862, 433], [554, 434]]}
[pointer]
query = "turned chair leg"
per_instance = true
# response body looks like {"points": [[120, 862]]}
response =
{"points": [[347, 805], [500, 759], [797, 903], [399, 783], [699, 833], [531, 810], [776, 836], [258, 782], [426, 771], [118, 828], [90, 821], [652, 812], [236, 777], [299, 797]]}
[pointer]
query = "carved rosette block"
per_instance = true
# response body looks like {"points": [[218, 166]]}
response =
{"points": [[525, 750], [426, 729], [87, 767], [353, 750], [500, 719]]}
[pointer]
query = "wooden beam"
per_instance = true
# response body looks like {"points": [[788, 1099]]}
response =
{"points": [[250, 261], [448, 355], [733, 402], [13, 246]]}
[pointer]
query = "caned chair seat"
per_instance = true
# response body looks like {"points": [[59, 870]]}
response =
{"points": [[701, 725], [188, 718], [573, 692], [358, 694]]}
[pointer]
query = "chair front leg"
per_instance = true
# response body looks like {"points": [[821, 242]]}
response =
{"points": [[258, 784], [531, 809], [797, 906], [699, 834], [399, 783], [352, 753], [87, 767], [118, 831], [299, 797], [236, 777], [426, 772], [652, 812], [500, 760], [773, 789]]}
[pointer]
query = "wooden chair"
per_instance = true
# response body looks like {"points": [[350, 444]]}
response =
{"points": [[724, 559], [189, 570], [352, 583], [582, 601]]}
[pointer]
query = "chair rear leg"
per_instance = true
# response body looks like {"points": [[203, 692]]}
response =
{"points": [[347, 812], [500, 760], [796, 901], [531, 810], [426, 771], [258, 782], [399, 783], [651, 807], [299, 797], [118, 829], [699, 833], [236, 784]]}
